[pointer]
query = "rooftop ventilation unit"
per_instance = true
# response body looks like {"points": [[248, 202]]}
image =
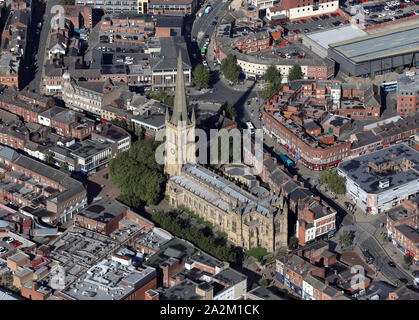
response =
{"points": [[384, 183]]}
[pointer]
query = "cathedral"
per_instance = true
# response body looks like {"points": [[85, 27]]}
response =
{"points": [[250, 218]]}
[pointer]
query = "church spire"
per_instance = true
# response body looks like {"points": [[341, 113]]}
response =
{"points": [[180, 112]]}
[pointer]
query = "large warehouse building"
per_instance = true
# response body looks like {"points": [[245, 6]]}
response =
{"points": [[377, 53], [380, 180]]}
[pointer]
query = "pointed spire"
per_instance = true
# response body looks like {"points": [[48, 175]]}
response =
{"points": [[180, 112]]}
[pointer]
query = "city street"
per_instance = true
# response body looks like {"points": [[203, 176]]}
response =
{"points": [[36, 61]]}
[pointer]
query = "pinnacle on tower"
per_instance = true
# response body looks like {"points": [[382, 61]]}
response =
{"points": [[180, 112]]}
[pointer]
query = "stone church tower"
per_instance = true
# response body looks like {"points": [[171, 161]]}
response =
{"points": [[180, 129]]}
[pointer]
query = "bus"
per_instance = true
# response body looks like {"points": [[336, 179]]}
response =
{"points": [[287, 161], [389, 86], [203, 51], [251, 127]]}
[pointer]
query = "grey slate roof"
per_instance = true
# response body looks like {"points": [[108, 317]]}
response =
{"points": [[9, 154], [355, 169]]}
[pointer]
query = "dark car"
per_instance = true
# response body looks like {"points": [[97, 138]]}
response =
{"points": [[206, 36], [391, 264], [403, 280], [214, 23], [315, 18]]}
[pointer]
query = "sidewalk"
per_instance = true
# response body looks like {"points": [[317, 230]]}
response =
{"points": [[398, 257]]}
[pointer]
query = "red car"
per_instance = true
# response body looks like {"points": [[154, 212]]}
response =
{"points": [[257, 269], [16, 244], [300, 57], [283, 56], [297, 31], [337, 14]]}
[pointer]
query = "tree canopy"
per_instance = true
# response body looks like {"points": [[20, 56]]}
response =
{"points": [[201, 76], [273, 82], [137, 174], [230, 69], [230, 112], [346, 238], [161, 96], [295, 73], [175, 225], [293, 243], [335, 182]]}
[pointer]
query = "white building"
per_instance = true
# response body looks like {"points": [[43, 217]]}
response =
{"points": [[380, 180], [294, 9]]}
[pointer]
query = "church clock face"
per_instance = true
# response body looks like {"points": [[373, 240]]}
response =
{"points": [[172, 150]]}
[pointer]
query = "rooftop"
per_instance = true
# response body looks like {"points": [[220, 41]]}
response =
{"points": [[109, 280], [400, 163], [103, 210], [339, 34], [383, 44]]}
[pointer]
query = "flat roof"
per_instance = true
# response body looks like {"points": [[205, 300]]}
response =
{"points": [[383, 44], [368, 179], [103, 210], [339, 34]]}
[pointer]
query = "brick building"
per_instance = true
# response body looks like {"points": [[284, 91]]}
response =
{"points": [[172, 7], [408, 93], [315, 219], [128, 24], [314, 154], [253, 42], [403, 225], [359, 101], [24, 104], [102, 216], [55, 191]]}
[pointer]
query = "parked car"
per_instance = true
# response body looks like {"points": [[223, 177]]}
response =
{"points": [[392, 264], [16, 243], [8, 239], [3, 250]]}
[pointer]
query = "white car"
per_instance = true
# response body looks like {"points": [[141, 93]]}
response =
{"points": [[3, 250], [407, 1], [9, 240], [386, 8], [391, 13]]}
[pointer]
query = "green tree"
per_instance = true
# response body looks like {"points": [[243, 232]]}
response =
{"points": [[230, 69], [137, 174], [64, 165], [229, 110], [293, 243], [346, 238], [263, 282], [201, 76], [271, 74], [295, 73], [399, 70], [161, 96], [335, 182], [270, 88], [67, 2], [407, 259], [49, 157]]}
